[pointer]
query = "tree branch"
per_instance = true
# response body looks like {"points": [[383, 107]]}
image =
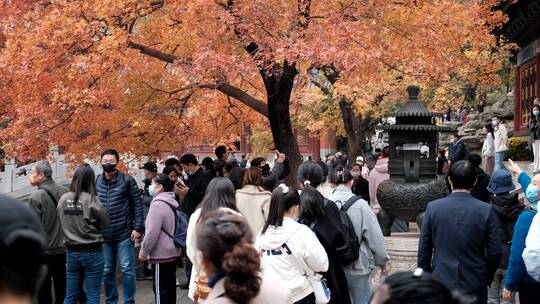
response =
{"points": [[153, 52], [238, 94]]}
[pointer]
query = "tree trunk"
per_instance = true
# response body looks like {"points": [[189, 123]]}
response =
{"points": [[355, 125], [279, 88]]}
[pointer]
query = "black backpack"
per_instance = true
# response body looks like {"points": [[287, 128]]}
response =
{"points": [[350, 251]]}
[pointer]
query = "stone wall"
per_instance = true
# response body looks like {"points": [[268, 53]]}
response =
{"points": [[472, 135]]}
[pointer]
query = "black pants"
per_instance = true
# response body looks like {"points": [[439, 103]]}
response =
{"points": [[57, 273], [529, 293], [164, 286], [310, 299]]}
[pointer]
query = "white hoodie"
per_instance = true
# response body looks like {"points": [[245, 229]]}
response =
{"points": [[283, 246]]}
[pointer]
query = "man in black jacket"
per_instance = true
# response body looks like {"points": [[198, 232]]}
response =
{"points": [[193, 193], [44, 202], [121, 195], [460, 241], [457, 150], [196, 184], [479, 191]]}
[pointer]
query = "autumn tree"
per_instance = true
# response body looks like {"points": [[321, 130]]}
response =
{"points": [[144, 75]]}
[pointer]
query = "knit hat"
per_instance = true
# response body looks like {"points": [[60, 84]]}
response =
{"points": [[501, 182]]}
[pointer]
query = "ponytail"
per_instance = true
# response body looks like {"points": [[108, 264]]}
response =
{"points": [[311, 204], [241, 267], [311, 172], [283, 199]]}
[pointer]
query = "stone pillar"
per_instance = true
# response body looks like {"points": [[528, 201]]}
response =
{"points": [[55, 161], [403, 250], [8, 176]]}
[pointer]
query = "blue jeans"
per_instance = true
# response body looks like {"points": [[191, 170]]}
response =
{"points": [[84, 266], [499, 157], [125, 252], [360, 288]]}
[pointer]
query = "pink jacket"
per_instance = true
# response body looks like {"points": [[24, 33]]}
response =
{"points": [[157, 246], [377, 175]]}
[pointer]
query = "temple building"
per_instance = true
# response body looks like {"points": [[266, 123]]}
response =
{"points": [[523, 28]]}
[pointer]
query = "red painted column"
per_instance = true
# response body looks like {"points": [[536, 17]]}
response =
{"points": [[517, 100], [316, 148], [537, 75]]}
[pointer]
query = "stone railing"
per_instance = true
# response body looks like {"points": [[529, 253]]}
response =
{"points": [[15, 178]]}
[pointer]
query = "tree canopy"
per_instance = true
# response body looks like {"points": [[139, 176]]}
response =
{"points": [[149, 75]]}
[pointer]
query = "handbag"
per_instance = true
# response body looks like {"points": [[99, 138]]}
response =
{"points": [[202, 290], [320, 288], [317, 281]]}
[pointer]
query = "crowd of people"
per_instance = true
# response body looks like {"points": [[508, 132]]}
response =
{"points": [[243, 236]]}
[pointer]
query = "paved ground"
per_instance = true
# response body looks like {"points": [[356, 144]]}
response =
{"points": [[145, 294]]}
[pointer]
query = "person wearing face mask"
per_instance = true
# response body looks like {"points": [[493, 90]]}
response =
{"points": [[198, 180], [501, 142], [517, 278], [488, 149], [193, 193], [360, 185], [157, 247], [121, 196], [365, 170], [150, 170], [272, 177], [534, 128]]}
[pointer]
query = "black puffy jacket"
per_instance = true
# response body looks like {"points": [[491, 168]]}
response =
{"points": [[122, 198]]}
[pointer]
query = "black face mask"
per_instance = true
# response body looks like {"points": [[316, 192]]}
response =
{"points": [[266, 168], [109, 168]]}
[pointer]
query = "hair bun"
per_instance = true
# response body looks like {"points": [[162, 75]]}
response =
{"points": [[241, 267]]}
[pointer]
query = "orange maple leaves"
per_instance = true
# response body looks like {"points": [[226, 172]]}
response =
{"points": [[152, 75]]}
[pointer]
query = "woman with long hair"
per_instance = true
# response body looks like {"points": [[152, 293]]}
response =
{"points": [[290, 250], [488, 149], [219, 194], [534, 128], [323, 218], [253, 200], [372, 249], [232, 263], [158, 247], [83, 217]]}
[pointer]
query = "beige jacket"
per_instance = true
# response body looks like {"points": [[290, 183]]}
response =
{"points": [[191, 250], [271, 293], [253, 202]]}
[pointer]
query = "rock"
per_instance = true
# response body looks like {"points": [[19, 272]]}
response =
{"points": [[451, 124], [472, 117], [473, 143], [479, 132], [486, 116], [473, 124]]}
